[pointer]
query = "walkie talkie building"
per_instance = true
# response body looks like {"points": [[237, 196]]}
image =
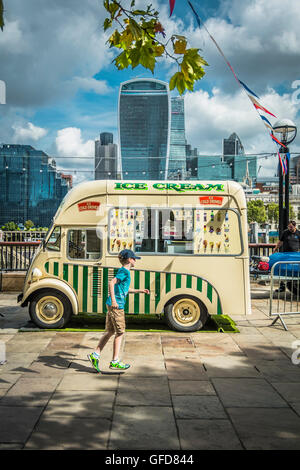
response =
{"points": [[144, 129]]}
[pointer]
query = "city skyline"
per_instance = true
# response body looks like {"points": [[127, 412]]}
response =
{"points": [[69, 94]]}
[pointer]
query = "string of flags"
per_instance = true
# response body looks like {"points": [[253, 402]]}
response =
{"points": [[261, 110]]}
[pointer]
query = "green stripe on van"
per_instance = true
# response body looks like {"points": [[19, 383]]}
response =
{"points": [[219, 307], [199, 284], [65, 272], [126, 306], [157, 288], [95, 289], [189, 281], [168, 282], [147, 297], [105, 289], [178, 281], [84, 288], [209, 291], [136, 296], [47, 266], [75, 278], [55, 268]]}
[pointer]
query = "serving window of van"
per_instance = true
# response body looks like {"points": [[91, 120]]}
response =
{"points": [[83, 244], [177, 231]]}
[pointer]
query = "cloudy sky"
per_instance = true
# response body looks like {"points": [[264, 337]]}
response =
{"points": [[62, 89]]}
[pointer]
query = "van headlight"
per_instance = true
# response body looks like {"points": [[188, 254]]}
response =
{"points": [[36, 273]]}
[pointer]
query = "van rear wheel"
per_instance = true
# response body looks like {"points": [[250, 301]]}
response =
{"points": [[185, 313], [50, 308]]}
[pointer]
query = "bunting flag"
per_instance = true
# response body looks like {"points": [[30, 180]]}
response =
{"points": [[172, 4], [261, 110]]}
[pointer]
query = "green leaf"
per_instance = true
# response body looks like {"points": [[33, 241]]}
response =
{"points": [[135, 29], [122, 61], [107, 23]]}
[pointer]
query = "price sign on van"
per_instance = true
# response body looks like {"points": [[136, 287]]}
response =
{"points": [[211, 200], [88, 206]]}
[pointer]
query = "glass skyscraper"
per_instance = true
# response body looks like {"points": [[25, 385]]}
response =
{"points": [[177, 160], [144, 129], [30, 186], [234, 156]]}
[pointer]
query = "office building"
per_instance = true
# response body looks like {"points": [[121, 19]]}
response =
{"points": [[31, 188], [241, 165], [178, 157], [106, 157], [144, 129]]}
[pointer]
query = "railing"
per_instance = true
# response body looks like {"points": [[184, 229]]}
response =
{"points": [[16, 256], [22, 235], [261, 249]]}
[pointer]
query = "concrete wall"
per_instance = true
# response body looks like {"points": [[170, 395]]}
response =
{"points": [[12, 281]]}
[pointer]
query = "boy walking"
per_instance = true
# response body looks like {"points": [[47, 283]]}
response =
{"points": [[115, 318]]}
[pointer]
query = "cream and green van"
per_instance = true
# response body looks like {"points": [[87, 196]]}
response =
{"points": [[191, 236]]}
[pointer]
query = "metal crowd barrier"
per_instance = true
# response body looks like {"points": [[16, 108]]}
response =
{"points": [[285, 276], [16, 256]]}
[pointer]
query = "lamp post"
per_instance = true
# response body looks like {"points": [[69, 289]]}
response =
{"points": [[287, 131]]}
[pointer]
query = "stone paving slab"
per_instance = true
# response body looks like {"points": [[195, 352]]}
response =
{"points": [[30, 392], [207, 434], [17, 423], [243, 392], [69, 433], [81, 403], [206, 407], [150, 391], [266, 428], [144, 427]]}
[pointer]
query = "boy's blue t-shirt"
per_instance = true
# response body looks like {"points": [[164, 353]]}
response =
{"points": [[121, 287]]}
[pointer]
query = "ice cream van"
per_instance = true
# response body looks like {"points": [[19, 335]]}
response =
{"points": [[191, 236]]}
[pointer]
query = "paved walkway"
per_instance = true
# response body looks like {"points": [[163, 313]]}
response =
{"points": [[183, 391]]}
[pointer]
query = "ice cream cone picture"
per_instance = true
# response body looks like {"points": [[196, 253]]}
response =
{"points": [[113, 244], [211, 244], [218, 245], [124, 245], [205, 244], [118, 243], [130, 245]]}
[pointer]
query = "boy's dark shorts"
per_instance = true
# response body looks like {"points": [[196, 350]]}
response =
{"points": [[115, 320]]}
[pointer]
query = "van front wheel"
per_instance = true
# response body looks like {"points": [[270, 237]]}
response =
{"points": [[50, 308], [185, 313]]}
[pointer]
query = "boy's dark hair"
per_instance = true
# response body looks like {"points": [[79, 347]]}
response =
{"points": [[122, 260], [293, 222]]}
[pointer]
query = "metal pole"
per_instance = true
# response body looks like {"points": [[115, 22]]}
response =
{"points": [[280, 201], [287, 191]]}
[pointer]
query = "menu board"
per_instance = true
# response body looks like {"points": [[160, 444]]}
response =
{"points": [[216, 232], [121, 229]]}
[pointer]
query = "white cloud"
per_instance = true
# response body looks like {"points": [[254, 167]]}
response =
{"points": [[28, 132], [91, 84], [69, 143], [210, 118]]}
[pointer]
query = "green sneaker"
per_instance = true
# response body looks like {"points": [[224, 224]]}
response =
{"points": [[118, 365], [94, 361]]}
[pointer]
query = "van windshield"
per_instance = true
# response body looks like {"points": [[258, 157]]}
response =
{"points": [[53, 243]]}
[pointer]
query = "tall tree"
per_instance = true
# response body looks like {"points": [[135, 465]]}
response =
{"points": [[256, 211]]}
